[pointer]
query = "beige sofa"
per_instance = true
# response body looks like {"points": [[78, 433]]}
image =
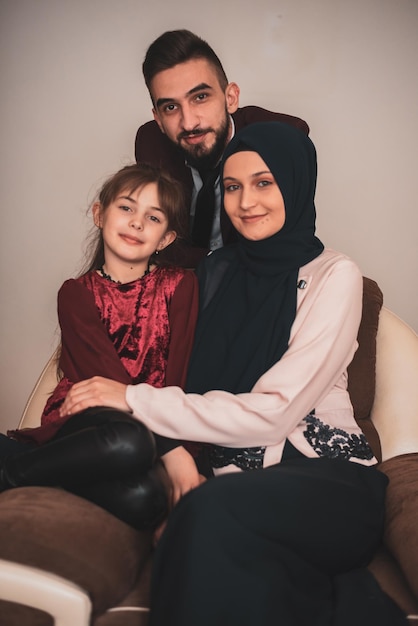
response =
{"points": [[65, 561]]}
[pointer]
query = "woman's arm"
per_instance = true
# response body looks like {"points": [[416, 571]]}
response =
{"points": [[319, 352], [318, 355]]}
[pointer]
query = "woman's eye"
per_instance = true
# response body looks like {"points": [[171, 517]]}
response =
{"points": [[264, 183], [230, 188]]}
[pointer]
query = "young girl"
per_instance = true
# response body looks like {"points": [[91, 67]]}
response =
{"points": [[132, 319]]}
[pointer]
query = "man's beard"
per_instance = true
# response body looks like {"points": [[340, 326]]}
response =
{"points": [[199, 156]]}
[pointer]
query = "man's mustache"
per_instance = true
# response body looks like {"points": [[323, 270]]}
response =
{"points": [[191, 133]]}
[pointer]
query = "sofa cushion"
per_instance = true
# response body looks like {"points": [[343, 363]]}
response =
{"points": [[401, 526], [362, 369], [391, 579], [61, 533], [12, 614]]}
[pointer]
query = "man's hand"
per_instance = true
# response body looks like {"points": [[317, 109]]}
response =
{"points": [[95, 391]]}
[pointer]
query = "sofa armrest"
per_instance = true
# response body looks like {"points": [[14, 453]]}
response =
{"points": [[395, 408], [401, 527]]}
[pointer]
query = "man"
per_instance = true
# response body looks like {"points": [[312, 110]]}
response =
{"points": [[195, 116]]}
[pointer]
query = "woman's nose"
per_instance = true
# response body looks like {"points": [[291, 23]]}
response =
{"points": [[247, 198]]}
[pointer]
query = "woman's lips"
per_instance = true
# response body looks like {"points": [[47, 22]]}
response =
{"points": [[249, 219]]}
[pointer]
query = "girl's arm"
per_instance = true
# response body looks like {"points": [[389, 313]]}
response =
{"points": [[178, 462], [86, 347], [183, 317]]}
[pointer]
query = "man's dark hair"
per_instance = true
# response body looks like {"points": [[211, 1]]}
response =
{"points": [[178, 46]]}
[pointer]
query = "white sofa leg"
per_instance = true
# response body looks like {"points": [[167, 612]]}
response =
{"points": [[66, 602]]}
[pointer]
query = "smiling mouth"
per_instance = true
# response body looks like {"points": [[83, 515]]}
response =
{"points": [[193, 137], [130, 239], [252, 218]]}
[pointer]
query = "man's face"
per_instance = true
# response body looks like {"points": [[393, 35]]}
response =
{"points": [[192, 109]]}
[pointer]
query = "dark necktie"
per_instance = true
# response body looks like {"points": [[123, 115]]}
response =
{"points": [[205, 209]]}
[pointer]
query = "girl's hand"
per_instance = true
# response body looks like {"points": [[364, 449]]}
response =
{"points": [[95, 391], [182, 472]]}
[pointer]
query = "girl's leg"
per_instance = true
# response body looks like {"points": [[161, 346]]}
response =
{"points": [[104, 455], [276, 546], [10, 447]]}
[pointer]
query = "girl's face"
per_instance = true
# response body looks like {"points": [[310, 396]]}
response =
{"points": [[252, 199], [134, 227]]}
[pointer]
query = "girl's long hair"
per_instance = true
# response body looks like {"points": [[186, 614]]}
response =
{"points": [[128, 180]]}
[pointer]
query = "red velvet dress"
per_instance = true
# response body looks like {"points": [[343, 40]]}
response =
{"points": [[133, 333]]}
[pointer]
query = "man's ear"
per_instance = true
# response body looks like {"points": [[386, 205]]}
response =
{"points": [[232, 97], [168, 238], [157, 119], [97, 214]]}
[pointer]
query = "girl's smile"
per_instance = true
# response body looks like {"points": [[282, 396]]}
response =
{"points": [[134, 227]]}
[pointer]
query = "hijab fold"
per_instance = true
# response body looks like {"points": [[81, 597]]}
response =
{"points": [[245, 322]]}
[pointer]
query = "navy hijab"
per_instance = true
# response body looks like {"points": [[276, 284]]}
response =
{"points": [[246, 315]]}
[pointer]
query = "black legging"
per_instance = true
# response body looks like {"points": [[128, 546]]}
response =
{"points": [[286, 545], [103, 455]]}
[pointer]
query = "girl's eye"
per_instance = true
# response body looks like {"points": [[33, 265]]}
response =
{"points": [[123, 207], [154, 218]]}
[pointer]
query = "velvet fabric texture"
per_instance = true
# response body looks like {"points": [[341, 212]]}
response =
{"points": [[246, 325]]}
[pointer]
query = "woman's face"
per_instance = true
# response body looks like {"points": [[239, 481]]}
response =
{"points": [[253, 200]]}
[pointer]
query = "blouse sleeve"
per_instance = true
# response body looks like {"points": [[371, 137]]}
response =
{"points": [[318, 355], [86, 348]]}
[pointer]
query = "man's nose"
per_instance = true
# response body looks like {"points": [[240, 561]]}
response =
{"points": [[189, 119]]}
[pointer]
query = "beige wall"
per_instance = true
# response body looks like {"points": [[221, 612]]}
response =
{"points": [[72, 98]]}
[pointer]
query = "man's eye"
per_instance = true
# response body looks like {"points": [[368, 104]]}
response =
{"points": [[201, 96], [169, 108]]}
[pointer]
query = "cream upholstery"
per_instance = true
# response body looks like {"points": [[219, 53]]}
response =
{"points": [[395, 407]]}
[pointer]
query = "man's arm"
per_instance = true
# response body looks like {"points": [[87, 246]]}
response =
{"points": [[251, 114]]}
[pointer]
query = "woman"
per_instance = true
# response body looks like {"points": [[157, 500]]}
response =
{"points": [[267, 391]]}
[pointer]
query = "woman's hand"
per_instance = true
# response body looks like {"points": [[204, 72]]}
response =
{"points": [[96, 391], [182, 472]]}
